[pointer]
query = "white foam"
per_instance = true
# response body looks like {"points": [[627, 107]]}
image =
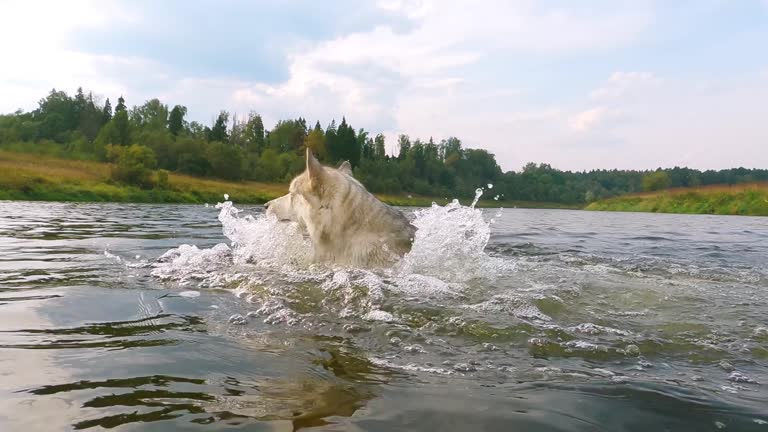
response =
{"points": [[265, 260], [380, 315]]}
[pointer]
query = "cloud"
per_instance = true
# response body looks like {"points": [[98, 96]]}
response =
{"points": [[593, 85], [622, 84], [587, 120], [703, 123]]}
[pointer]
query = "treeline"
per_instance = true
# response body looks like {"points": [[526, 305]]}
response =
{"points": [[151, 136]]}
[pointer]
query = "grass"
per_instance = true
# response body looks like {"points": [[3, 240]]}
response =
{"points": [[35, 177], [749, 199], [43, 178]]}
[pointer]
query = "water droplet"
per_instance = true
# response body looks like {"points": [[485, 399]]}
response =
{"points": [[740, 377], [632, 350], [354, 328], [726, 366], [645, 364], [226, 197], [490, 186], [464, 367], [238, 319], [478, 194]]}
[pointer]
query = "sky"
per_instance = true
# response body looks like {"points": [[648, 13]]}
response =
{"points": [[581, 85]]}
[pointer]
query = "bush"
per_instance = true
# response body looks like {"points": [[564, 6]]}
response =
{"points": [[134, 165], [162, 179], [656, 181]]}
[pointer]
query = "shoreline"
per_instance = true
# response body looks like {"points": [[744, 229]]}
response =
{"points": [[29, 177]]}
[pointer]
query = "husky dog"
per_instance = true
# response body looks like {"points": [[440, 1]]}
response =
{"points": [[347, 225]]}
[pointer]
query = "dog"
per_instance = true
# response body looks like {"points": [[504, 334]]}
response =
{"points": [[346, 223]]}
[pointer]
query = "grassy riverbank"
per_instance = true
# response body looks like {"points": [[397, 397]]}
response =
{"points": [[43, 178], [749, 199]]}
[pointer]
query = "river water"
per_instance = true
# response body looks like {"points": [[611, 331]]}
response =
{"points": [[179, 317]]}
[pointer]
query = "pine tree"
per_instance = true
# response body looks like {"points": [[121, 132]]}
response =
{"points": [[120, 105], [106, 113], [219, 129], [122, 129]]}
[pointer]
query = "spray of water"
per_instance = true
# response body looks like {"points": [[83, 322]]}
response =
{"points": [[269, 262], [450, 243]]}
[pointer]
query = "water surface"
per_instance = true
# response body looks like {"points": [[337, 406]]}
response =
{"points": [[175, 317]]}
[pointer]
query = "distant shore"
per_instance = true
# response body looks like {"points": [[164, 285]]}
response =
{"points": [[32, 177], [750, 199]]}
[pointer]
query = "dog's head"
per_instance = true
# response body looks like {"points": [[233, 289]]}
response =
{"points": [[310, 192]]}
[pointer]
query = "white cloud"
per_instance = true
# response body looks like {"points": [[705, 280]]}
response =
{"points": [[700, 123], [458, 69], [622, 84], [414, 81], [589, 119], [38, 59]]}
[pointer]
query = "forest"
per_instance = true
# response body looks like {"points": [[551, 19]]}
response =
{"points": [[145, 142]]}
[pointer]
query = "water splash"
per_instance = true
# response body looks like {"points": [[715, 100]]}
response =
{"points": [[271, 257], [450, 243], [478, 194], [263, 240]]}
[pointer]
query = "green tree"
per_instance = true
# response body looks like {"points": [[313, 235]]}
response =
{"points": [[90, 119], [106, 113], [364, 144], [254, 133], [116, 132], [132, 165], [226, 161], [219, 130], [121, 133], [288, 136], [55, 116], [331, 142], [380, 148], [191, 155], [346, 146], [176, 119], [120, 105], [404, 144], [315, 141], [655, 181], [152, 115], [163, 146]]}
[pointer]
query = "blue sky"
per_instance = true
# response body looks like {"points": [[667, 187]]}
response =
{"points": [[580, 85]]}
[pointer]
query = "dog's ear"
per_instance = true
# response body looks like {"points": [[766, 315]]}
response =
{"points": [[345, 168], [314, 169]]}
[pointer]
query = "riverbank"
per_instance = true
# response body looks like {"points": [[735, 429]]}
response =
{"points": [[33, 177], [750, 199]]}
